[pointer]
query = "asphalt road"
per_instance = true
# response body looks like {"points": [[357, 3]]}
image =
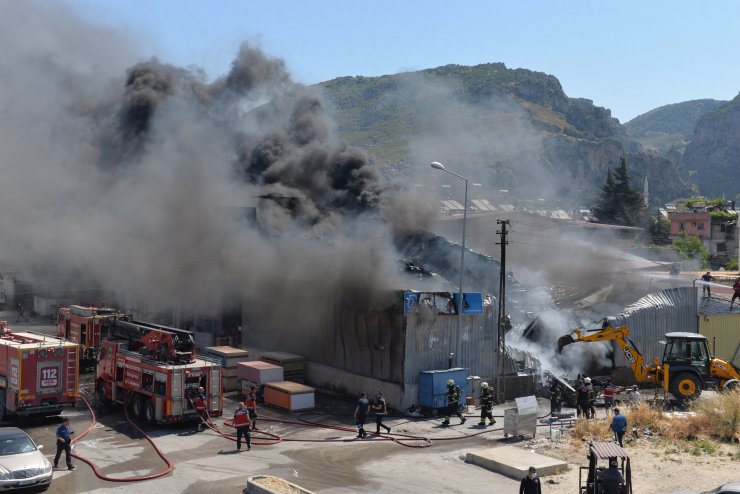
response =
{"points": [[323, 460]]}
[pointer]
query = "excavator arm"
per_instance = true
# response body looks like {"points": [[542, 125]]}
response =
{"points": [[620, 334]]}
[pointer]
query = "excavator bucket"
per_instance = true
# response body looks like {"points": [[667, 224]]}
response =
{"points": [[564, 341]]}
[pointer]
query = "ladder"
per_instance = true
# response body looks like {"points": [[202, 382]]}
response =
{"points": [[72, 366]]}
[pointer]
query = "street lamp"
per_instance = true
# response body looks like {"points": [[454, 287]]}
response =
{"points": [[439, 166]]}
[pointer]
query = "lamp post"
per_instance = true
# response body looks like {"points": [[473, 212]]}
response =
{"points": [[439, 166]]}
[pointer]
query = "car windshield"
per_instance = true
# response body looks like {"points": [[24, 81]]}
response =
{"points": [[15, 444]]}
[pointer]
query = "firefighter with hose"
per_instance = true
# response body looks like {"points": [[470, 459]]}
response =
{"points": [[453, 400], [242, 424], [486, 404]]}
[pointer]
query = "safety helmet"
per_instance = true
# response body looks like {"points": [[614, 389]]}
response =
{"points": [[587, 380], [450, 382], [484, 385]]}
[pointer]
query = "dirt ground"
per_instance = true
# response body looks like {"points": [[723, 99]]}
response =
{"points": [[658, 466]]}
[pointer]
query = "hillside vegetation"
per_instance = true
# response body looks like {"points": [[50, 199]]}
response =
{"points": [[507, 128]]}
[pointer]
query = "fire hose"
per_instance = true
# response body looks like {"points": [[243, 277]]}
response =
{"points": [[407, 440], [102, 476]]}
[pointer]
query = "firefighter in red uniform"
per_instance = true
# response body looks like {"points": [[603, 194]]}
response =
{"points": [[252, 405], [200, 406], [242, 423]]}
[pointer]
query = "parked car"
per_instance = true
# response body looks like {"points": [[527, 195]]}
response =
{"points": [[729, 488], [21, 462]]}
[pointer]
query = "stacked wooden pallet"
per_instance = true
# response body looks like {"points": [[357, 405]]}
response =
{"points": [[292, 365], [289, 396], [229, 358]]}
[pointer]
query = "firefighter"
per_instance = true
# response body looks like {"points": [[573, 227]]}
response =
{"points": [[64, 442], [242, 423], [252, 405], [199, 402], [582, 400], [361, 411], [609, 391], [380, 408], [591, 412], [486, 404], [453, 399], [556, 397]]}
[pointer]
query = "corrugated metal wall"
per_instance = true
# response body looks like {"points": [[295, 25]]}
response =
{"points": [[723, 331], [654, 315], [358, 339], [429, 342]]}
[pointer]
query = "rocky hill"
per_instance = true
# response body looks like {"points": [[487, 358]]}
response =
{"points": [[712, 157], [506, 128], [669, 128]]}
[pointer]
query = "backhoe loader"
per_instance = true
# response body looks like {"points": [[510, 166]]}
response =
{"points": [[685, 370]]}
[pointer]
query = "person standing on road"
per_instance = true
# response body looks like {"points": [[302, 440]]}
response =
{"points": [[21, 313], [252, 405], [736, 289], [361, 411], [609, 391], [242, 424], [486, 404], [707, 278], [64, 443], [619, 426], [531, 483], [380, 410], [453, 400]]}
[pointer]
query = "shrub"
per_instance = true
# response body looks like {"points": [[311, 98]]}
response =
{"points": [[722, 413]]}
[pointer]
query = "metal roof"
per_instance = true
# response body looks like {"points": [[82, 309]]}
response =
{"points": [[709, 306], [695, 336], [604, 451]]}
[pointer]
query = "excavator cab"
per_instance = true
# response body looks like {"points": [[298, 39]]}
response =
{"points": [[686, 365]]}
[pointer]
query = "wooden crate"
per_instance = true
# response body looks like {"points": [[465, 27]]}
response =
{"points": [[228, 356], [292, 364], [260, 372], [290, 396]]}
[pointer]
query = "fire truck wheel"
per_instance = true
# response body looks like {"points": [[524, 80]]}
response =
{"points": [[149, 414], [137, 407]]}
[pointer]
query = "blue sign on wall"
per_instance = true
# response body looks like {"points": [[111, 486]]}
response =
{"points": [[442, 302]]}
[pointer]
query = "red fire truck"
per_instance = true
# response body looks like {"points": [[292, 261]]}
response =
{"points": [[154, 370], [39, 375], [84, 325]]}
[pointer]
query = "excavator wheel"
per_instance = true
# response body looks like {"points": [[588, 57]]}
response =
{"points": [[731, 385], [685, 386]]}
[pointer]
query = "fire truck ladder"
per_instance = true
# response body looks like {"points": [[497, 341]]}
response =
{"points": [[72, 370]]}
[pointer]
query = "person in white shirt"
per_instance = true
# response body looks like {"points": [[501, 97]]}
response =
{"points": [[634, 395]]}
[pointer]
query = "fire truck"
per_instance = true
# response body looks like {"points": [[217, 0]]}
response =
{"points": [[84, 325], [39, 374], [154, 370]]}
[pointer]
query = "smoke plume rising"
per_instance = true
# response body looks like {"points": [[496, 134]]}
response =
{"points": [[133, 176]]}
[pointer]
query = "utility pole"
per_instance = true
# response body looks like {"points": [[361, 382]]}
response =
{"points": [[501, 332]]}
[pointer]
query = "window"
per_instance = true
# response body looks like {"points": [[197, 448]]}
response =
{"points": [[681, 227], [721, 247], [700, 226]]}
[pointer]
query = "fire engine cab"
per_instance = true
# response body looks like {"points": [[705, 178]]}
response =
{"points": [[154, 370], [83, 325], [39, 374]]}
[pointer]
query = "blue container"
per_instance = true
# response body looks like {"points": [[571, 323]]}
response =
{"points": [[433, 386]]}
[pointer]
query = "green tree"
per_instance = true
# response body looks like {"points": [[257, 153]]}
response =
{"points": [[620, 202], [660, 229], [690, 247]]}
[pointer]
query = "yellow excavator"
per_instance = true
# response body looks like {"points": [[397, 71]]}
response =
{"points": [[686, 368]]}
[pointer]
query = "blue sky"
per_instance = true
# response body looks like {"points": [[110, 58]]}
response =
{"points": [[629, 56]]}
